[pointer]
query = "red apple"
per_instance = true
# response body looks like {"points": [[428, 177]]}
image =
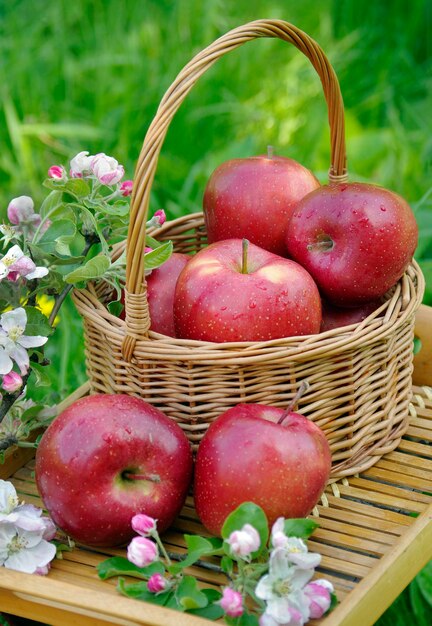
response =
{"points": [[160, 294], [247, 455], [337, 317], [355, 239], [106, 458], [216, 301], [254, 198]]}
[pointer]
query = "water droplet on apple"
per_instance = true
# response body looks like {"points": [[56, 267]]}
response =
{"points": [[383, 208], [223, 308], [252, 304]]}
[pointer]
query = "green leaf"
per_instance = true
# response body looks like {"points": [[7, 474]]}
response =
{"points": [[41, 375], [212, 611], [120, 566], [247, 619], [77, 187], [247, 513], [39, 254], [159, 255], [189, 596], [51, 204], [139, 591], [115, 308], [94, 268], [31, 412], [37, 323], [151, 242], [120, 208], [227, 565], [58, 237], [197, 547], [302, 528]]}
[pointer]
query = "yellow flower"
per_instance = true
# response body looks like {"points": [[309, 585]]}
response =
{"points": [[45, 304]]}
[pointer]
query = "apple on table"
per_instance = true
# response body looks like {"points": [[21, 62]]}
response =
{"points": [[254, 198], [274, 457], [106, 458], [235, 291]]}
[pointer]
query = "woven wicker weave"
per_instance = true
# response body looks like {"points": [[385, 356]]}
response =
{"points": [[360, 376]]}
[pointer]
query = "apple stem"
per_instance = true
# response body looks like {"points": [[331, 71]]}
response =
{"points": [[153, 478], [245, 247], [322, 243], [292, 405], [270, 152]]}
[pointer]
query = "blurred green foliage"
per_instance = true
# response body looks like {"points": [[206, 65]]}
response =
{"points": [[89, 74]]}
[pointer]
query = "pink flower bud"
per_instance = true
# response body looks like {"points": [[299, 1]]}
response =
{"points": [[141, 551], [160, 215], [126, 187], [43, 571], [245, 541], [157, 583], [56, 171], [231, 602], [143, 524], [12, 382], [319, 594], [50, 529], [107, 169], [20, 209]]}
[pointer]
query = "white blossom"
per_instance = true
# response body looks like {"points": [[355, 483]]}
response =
{"points": [[294, 546], [23, 534], [283, 590], [8, 498], [13, 342], [80, 164], [24, 550]]}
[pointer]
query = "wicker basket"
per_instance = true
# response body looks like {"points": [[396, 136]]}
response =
{"points": [[360, 376]]}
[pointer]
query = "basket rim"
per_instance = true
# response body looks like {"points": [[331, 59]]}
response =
{"points": [[395, 312]]}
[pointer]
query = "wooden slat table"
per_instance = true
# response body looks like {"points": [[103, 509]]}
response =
{"points": [[375, 534]]}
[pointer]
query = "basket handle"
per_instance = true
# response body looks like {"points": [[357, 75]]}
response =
{"points": [[136, 307]]}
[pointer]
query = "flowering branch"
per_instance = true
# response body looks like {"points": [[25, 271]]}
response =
{"points": [[270, 579], [50, 252]]}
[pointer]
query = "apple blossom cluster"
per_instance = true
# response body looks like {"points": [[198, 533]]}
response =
{"points": [[288, 594], [48, 252], [25, 534], [271, 578]]}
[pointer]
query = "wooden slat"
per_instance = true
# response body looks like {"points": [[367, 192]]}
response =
{"points": [[390, 576], [391, 490]]}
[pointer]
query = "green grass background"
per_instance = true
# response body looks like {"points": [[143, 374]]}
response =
{"points": [[89, 74]]}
